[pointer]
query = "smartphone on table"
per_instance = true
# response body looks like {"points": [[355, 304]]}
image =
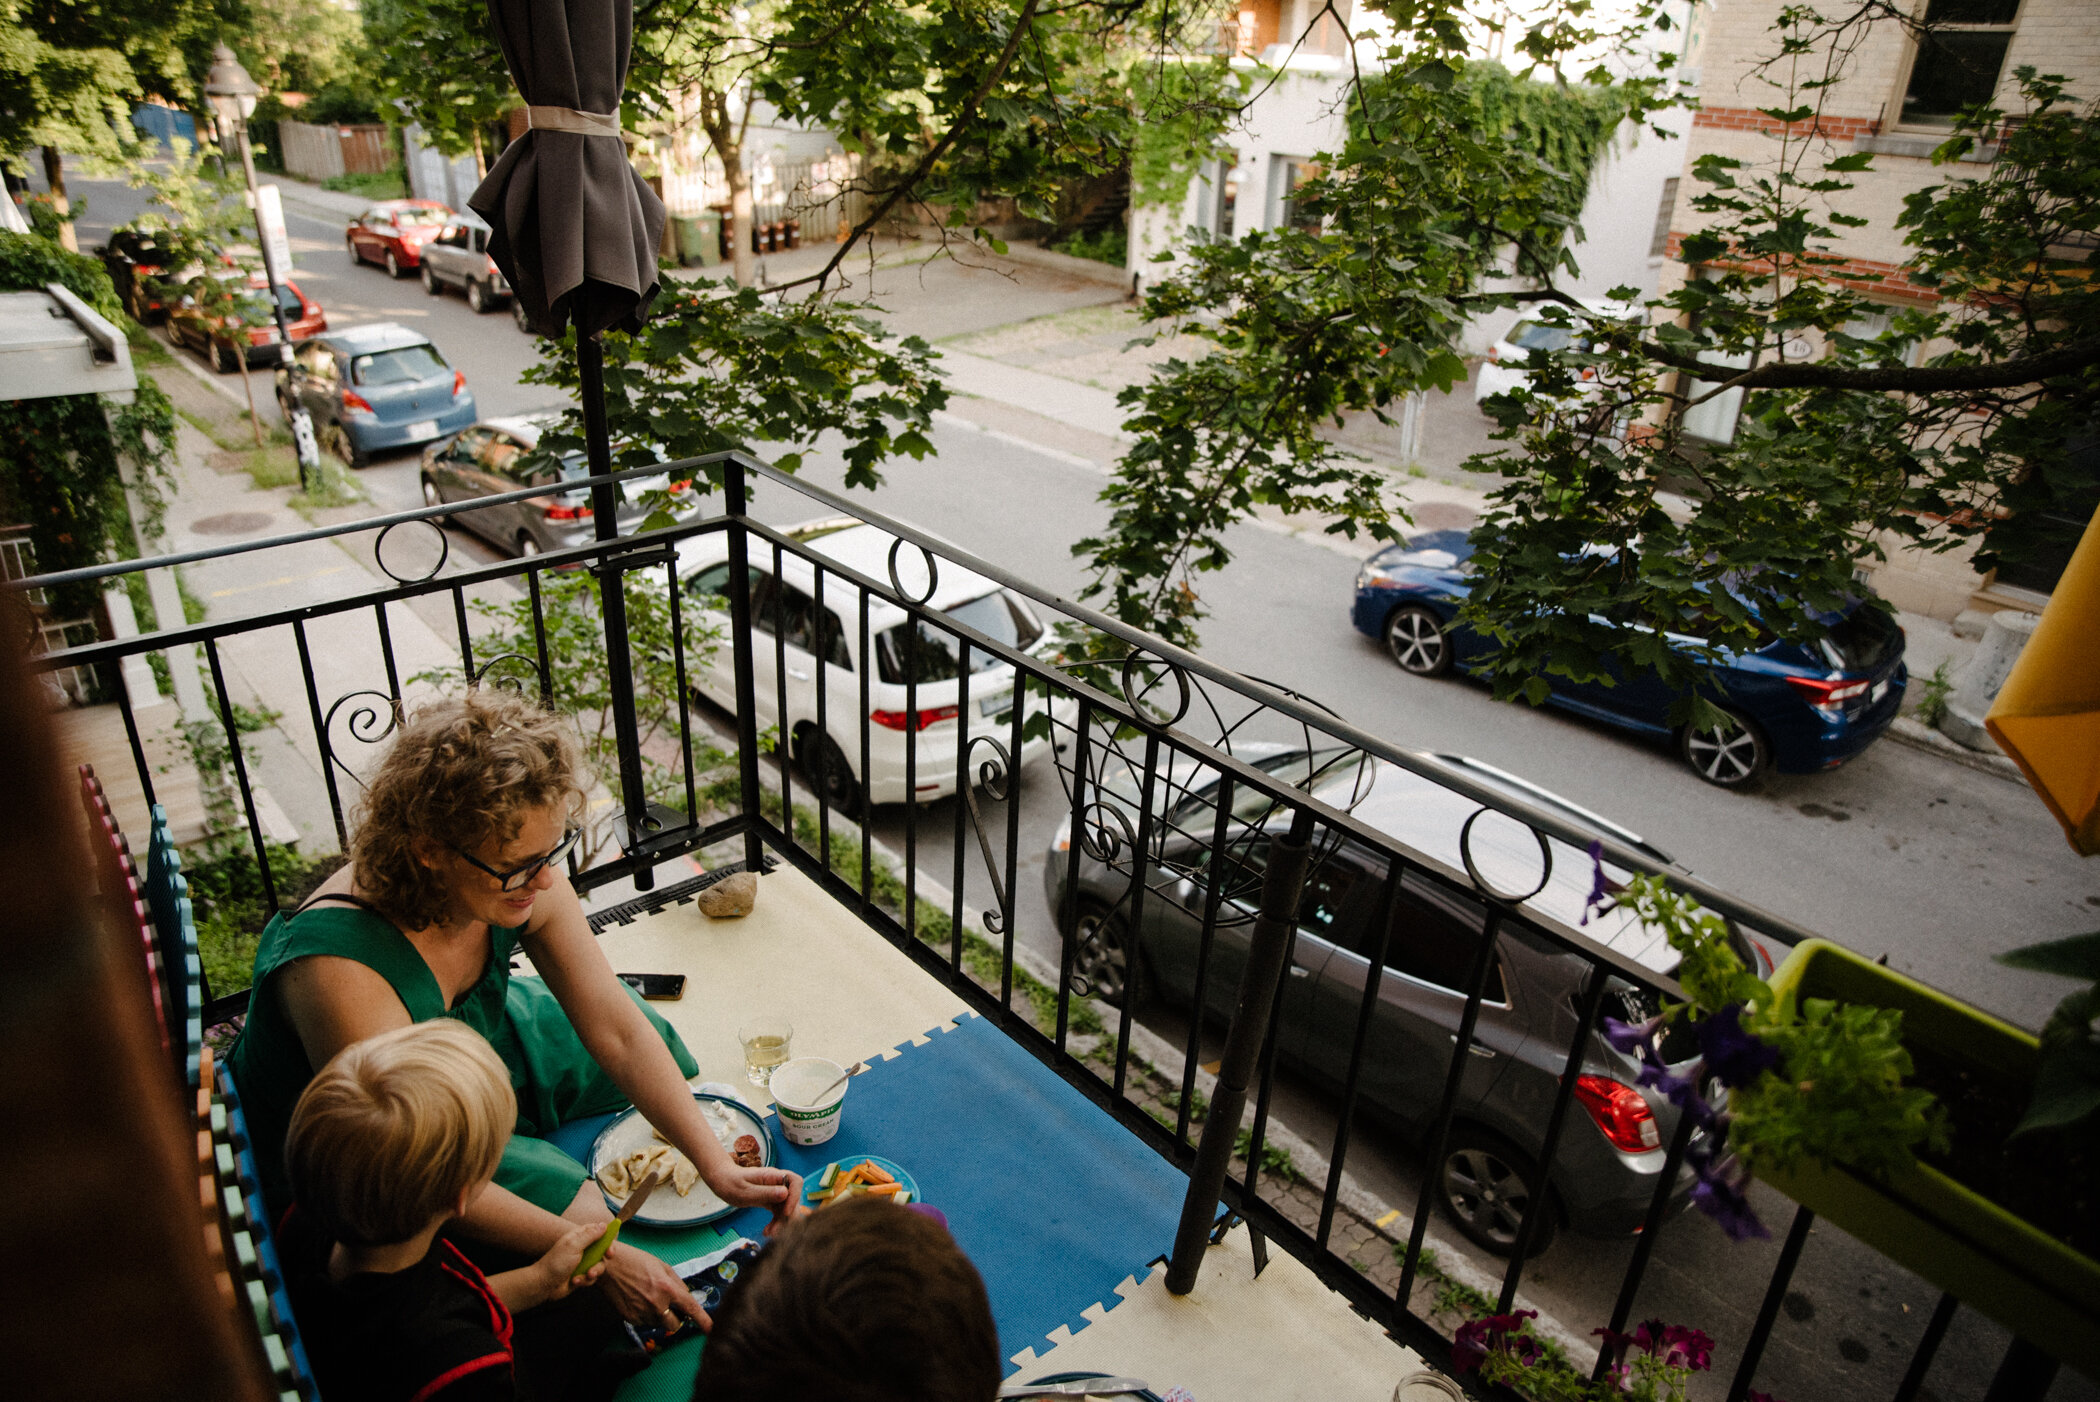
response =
{"points": [[656, 988]]}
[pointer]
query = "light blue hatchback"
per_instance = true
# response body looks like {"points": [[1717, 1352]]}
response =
{"points": [[372, 389]]}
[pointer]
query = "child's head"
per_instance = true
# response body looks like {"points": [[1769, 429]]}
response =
{"points": [[395, 1129], [862, 1302]]}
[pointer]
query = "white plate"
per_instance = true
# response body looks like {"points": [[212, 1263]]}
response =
{"points": [[423, 428], [665, 1208]]}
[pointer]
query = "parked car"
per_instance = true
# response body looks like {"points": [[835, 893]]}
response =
{"points": [[1604, 1173], [253, 336], [375, 387], [1505, 368], [393, 233], [500, 455], [459, 257], [1795, 707], [901, 653], [137, 264]]}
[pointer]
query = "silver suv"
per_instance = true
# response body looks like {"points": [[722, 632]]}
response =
{"points": [[459, 257]]}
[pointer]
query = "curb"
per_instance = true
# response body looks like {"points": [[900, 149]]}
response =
{"points": [[1906, 730]]}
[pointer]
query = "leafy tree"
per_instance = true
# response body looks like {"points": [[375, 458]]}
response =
{"points": [[294, 45], [438, 62]]}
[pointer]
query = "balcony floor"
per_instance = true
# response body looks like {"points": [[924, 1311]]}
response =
{"points": [[852, 997]]}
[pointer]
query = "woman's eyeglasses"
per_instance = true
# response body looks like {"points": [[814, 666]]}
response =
{"points": [[518, 878]]}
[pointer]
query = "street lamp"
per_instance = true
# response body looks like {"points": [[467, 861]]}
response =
{"points": [[233, 96]]}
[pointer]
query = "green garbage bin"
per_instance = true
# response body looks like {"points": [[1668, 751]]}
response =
{"points": [[699, 238]]}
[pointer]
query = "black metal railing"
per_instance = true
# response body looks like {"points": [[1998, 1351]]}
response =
{"points": [[1172, 780]]}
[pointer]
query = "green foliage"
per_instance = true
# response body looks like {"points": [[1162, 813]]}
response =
{"points": [[297, 46], [1179, 107], [29, 261], [1838, 1093], [1110, 246], [719, 367], [579, 681], [1275, 1161], [2067, 1084], [1442, 165], [442, 66], [388, 184], [1932, 696], [346, 100], [231, 909]]}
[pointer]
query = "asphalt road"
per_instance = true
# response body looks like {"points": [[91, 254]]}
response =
{"points": [[1899, 853]]}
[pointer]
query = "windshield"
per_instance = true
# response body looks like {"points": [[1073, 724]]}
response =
{"points": [[1531, 336], [413, 218], [398, 367], [1862, 640], [918, 653], [255, 304]]}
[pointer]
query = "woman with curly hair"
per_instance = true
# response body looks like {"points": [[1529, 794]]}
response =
{"points": [[456, 864]]}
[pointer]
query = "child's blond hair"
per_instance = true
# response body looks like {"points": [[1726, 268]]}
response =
{"points": [[394, 1128]]}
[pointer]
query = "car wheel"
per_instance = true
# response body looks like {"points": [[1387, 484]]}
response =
{"points": [[1416, 638], [357, 259], [1485, 1187], [222, 359], [1729, 754], [829, 772], [527, 545], [344, 446], [393, 264], [517, 314], [477, 298], [1101, 954], [430, 494], [430, 281]]}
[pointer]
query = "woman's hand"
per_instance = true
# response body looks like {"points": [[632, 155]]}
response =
{"points": [[648, 1293], [776, 1188]]}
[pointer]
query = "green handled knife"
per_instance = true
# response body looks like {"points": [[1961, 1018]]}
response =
{"points": [[595, 1252]]}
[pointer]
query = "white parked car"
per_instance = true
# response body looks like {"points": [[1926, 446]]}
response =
{"points": [[901, 651], [459, 257], [1504, 369]]}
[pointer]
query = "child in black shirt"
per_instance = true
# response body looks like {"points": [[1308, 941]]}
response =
{"points": [[393, 1139]]}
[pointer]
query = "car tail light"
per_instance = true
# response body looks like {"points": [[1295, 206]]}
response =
{"points": [[1828, 693], [459, 383], [558, 511], [354, 403], [913, 720], [1495, 353], [683, 484], [1620, 1112]]}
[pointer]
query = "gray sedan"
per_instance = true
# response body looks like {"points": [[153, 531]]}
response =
{"points": [[1604, 1173]]}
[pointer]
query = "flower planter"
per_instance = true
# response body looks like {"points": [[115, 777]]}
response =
{"points": [[1975, 1250]]}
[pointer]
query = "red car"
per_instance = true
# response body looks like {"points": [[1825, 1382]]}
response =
{"points": [[392, 233], [219, 338]]}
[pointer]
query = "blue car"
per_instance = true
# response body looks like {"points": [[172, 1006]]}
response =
{"points": [[1786, 706], [376, 388]]}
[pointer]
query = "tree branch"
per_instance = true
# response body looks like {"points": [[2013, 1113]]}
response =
{"points": [[1900, 379]]}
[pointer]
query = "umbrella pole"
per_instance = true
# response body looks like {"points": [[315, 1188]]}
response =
{"points": [[605, 505]]}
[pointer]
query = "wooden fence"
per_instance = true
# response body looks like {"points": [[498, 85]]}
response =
{"points": [[324, 152]]}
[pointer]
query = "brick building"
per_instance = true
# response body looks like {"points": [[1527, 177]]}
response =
{"points": [[1896, 98]]}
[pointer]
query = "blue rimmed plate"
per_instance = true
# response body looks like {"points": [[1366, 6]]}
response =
{"points": [[665, 1208]]}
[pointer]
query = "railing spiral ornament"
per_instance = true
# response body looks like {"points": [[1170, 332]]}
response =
{"points": [[994, 774], [1104, 834], [1138, 696], [933, 573], [378, 717], [444, 552], [1481, 883], [482, 675]]}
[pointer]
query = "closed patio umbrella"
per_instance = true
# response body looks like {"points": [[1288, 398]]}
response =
{"points": [[575, 229], [2047, 715]]}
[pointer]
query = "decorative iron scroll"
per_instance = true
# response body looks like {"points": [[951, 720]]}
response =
{"points": [[368, 724], [514, 685], [933, 573], [1465, 854], [444, 552], [996, 776]]}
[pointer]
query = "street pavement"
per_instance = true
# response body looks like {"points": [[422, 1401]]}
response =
{"points": [[1899, 853]]}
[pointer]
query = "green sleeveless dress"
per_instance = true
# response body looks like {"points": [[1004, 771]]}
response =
{"points": [[553, 1074]]}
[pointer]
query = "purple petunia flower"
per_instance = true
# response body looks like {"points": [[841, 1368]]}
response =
{"points": [[1686, 1347], [1721, 1197], [1756, 1396], [1603, 890], [1615, 1344], [1478, 1338], [1634, 1038], [1736, 1056]]}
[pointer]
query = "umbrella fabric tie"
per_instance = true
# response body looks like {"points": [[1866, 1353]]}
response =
{"points": [[570, 120]]}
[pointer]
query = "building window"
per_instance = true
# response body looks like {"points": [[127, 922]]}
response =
{"points": [[1224, 196], [1287, 210], [1958, 59], [1659, 242]]}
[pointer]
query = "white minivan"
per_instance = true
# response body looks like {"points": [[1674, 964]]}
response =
{"points": [[903, 653]]}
